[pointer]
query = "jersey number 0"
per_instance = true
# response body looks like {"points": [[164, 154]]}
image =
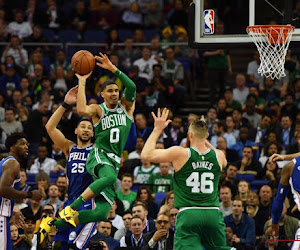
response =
{"points": [[205, 185]]}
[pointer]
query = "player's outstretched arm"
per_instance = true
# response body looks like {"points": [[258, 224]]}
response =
{"points": [[55, 134], [282, 191], [130, 88], [150, 153], [10, 171], [278, 157], [82, 107]]}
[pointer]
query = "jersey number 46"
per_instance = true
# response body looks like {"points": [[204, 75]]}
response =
{"points": [[205, 185]]}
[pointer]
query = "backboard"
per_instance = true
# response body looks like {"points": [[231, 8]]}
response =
{"points": [[236, 15]]}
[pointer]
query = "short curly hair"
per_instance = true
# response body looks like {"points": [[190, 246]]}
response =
{"points": [[13, 139]]}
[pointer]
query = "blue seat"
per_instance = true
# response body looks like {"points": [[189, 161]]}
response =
{"points": [[124, 33], [245, 177], [94, 36], [31, 179], [159, 197], [185, 61], [255, 185], [135, 187], [54, 176], [71, 36], [149, 34], [49, 34]]}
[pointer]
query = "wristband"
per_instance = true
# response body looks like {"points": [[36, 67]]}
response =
{"points": [[66, 105], [29, 194]]}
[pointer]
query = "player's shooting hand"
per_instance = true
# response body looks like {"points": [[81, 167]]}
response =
{"points": [[161, 120], [104, 62], [71, 96], [37, 195], [18, 219], [276, 157], [82, 79]]}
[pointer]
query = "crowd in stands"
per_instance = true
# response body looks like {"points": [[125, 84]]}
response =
{"points": [[249, 120]]}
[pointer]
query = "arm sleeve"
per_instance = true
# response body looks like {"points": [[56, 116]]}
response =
{"points": [[130, 88], [277, 205], [131, 139]]}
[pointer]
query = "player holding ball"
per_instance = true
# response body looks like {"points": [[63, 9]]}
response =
{"points": [[112, 121]]}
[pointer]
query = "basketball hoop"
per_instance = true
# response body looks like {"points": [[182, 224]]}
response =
{"points": [[272, 42]]}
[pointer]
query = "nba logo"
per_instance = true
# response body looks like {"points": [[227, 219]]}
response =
{"points": [[209, 24]]}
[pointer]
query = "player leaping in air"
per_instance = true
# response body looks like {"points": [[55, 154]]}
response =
{"points": [[112, 121], [290, 179], [78, 177]]}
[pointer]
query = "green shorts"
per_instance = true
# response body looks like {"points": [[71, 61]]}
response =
{"points": [[100, 162], [197, 228]]}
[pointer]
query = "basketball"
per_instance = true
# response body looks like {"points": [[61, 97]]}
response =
{"points": [[83, 62]]}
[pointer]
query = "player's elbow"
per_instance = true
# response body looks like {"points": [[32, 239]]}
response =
{"points": [[145, 156]]}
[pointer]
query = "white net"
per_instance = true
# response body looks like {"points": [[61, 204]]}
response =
{"points": [[272, 43]]}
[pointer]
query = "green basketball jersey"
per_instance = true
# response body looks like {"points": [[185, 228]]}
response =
{"points": [[112, 130], [196, 183]]}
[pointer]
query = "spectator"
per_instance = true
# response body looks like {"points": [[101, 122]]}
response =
{"points": [[242, 226], [133, 18], [104, 18], [139, 36], [115, 219], [264, 211], [173, 214], [153, 18], [125, 194], [163, 237], [136, 154], [167, 39], [243, 191], [37, 37], [128, 54], [248, 165], [257, 134], [269, 173], [231, 155], [17, 101], [176, 130], [221, 107], [14, 49], [142, 129], [243, 141], [42, 162], [55, 16], [140, 210], [142, 173], [145, 64], [144, 195], [286, 131], [79, 16], [219, 67], [57, 154], [62, 184], [42, 180], [10, 125], [104, 232], [18, 242], [179, 16], [230, 130], [37, 78], [271, 147], [252, 70], [19, 27], [23, 178], [226, 202], [260, 102], [211, 119], [161, 182], [241, 92], [127, 216], [169, 204], [54, 200], [231, 104], [60, 61], [270, 93], [239, 120], [135, 239], [10, 81], [289, 107]]}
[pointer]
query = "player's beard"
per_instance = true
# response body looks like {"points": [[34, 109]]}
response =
{"points": [[84, 140]]}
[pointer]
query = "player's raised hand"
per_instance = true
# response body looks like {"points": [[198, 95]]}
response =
{"points": [[83, 78], [18, 219], [161, 120], [276, 157], [71, 96], [104, 62]]}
